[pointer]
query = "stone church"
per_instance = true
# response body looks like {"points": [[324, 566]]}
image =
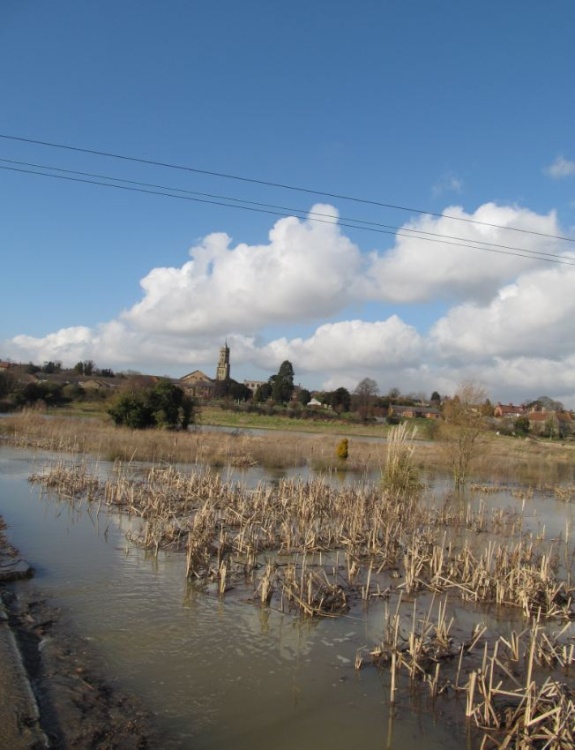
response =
{"points": [[200, 385]]}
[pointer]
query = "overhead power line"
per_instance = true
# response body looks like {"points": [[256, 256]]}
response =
{"points": [[232, 202], [288, 210], [266, 183]]}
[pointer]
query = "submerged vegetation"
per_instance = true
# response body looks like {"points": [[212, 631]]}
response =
{"points": [[322, 549]]}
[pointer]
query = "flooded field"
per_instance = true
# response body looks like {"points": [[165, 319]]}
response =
{"points": [[221, 670]]}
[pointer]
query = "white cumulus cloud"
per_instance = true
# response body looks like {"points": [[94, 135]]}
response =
{"points": [[533, 317], [349, 345], [492, 316], [307, 270], [466, 257]]}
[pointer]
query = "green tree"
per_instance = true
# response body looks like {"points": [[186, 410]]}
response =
{"points": [[50, 393], [263, 393], [304, 397], [132, 410], [169, 405], [231, 389], [7, 384], [240, 391], [163, 405], [51, 367], [283, 385], [339, 400], [87, 367]]}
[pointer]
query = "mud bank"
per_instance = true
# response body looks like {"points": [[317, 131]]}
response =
{"points": [[53, 694]]}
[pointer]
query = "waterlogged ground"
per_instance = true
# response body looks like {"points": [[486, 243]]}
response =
{"points": [[225, 673]]}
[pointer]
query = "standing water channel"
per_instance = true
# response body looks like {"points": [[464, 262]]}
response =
{"points": [[215, 673]]}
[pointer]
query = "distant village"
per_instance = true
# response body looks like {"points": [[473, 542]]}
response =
{"points": [[542, 416]]}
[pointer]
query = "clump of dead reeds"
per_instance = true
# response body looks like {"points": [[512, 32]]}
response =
{"points": [[510, 696], [515, 709], [400, 475], [225, 529]]}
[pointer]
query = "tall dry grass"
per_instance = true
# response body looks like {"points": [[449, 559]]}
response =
{"points": [[503, 460], [400, 473]]}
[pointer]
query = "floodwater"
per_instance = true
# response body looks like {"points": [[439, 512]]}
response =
{"points": [[216, 674]]}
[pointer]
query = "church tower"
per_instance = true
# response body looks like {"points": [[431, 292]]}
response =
{"points": [[223, 371]]}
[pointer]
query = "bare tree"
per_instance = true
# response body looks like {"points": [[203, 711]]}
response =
{"points": [[365, 392], [463, 428]]}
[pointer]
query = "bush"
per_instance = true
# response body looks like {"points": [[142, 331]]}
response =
{"points": [[164, 405], [522, 425], [46, 392], [342, 450]]}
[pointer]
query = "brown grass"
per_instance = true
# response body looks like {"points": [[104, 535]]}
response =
{"points": [[502, 460]]}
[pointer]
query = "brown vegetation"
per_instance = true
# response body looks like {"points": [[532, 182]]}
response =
{"points": [[500, 459], [319, 549]]}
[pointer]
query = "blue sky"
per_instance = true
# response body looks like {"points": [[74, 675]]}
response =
{"points": [[456, 109]]}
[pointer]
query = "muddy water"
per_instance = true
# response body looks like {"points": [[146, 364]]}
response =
{"points": [[216, 674]]}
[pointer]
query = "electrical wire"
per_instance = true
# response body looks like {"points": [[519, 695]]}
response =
{"points": [[301, 213], [519, 252], [311, 191]]}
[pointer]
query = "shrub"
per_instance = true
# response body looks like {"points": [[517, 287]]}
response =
{"points": [[522, 425], [342, 450], [163, 405], [462, 430]]}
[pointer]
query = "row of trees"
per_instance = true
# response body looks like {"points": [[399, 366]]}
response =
{"points": [[280, 389], [86, 367]]}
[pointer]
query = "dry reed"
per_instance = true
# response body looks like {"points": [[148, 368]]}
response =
{"points": [[318, 550], [531, 463], [225, 528]]}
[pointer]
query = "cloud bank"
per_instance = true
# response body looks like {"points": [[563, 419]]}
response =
{"points": [[493, 305]]}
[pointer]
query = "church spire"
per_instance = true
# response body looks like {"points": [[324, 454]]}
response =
{"points": [[223, 371]]}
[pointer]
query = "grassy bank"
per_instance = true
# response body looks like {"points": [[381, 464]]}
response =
{"points": [[251, 421]]}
